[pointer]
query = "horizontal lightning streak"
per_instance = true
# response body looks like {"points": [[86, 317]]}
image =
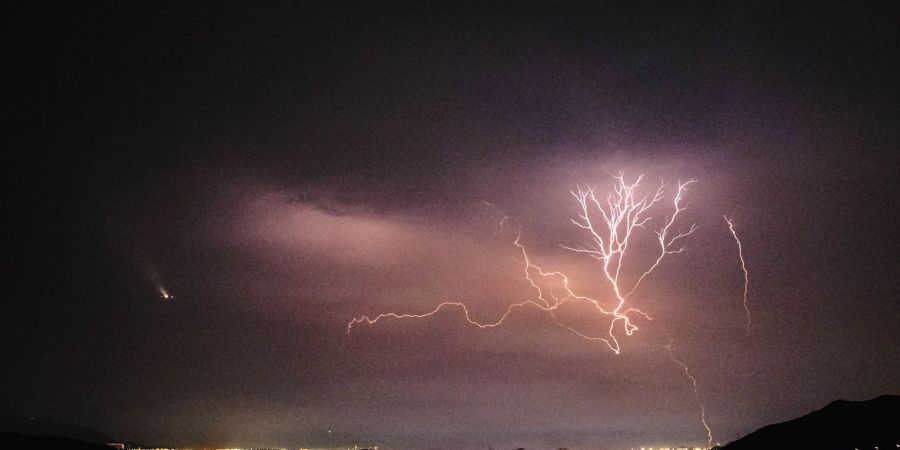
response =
{"points": [[541, 303]]}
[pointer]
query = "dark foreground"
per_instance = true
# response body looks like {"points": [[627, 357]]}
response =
{"points": [[841, 425], [16, 441]]}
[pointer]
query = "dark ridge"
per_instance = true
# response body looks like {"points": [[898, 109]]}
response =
{"points": [[840, 425], [36, 426], [23, 441]]}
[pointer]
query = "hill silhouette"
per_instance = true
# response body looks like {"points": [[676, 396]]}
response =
{"points": [[17, 440], [36, 426], [840, 425]]}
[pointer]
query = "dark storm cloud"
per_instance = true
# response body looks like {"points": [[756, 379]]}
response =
{"points": [[282, 169]]}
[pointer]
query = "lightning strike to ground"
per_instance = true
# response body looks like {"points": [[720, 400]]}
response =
{"points": [[743, 267], [610, 223], [687, 372]]}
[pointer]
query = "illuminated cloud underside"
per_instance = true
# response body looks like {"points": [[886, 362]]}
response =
{"points": [[610, 223]]}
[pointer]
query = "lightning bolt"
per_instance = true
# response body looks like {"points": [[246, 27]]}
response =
{"points": [[687, 373], [743, 267], [611, 224], [545, 302]]}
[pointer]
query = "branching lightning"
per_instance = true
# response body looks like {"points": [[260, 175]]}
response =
{"points": [[621, 213], [611, 223], [744, 268]]}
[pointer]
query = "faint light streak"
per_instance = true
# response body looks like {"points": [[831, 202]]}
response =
{"points": [[743, 267], [503, 216]]}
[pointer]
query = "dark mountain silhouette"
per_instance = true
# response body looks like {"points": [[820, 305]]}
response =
{"points": [[16, 440], [840, 425], [36, 426]]}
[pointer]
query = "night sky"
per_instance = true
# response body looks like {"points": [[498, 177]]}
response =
{"points": [[281, 168]]}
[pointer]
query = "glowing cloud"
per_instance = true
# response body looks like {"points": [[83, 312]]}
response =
{"points": [[611, 223]]}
